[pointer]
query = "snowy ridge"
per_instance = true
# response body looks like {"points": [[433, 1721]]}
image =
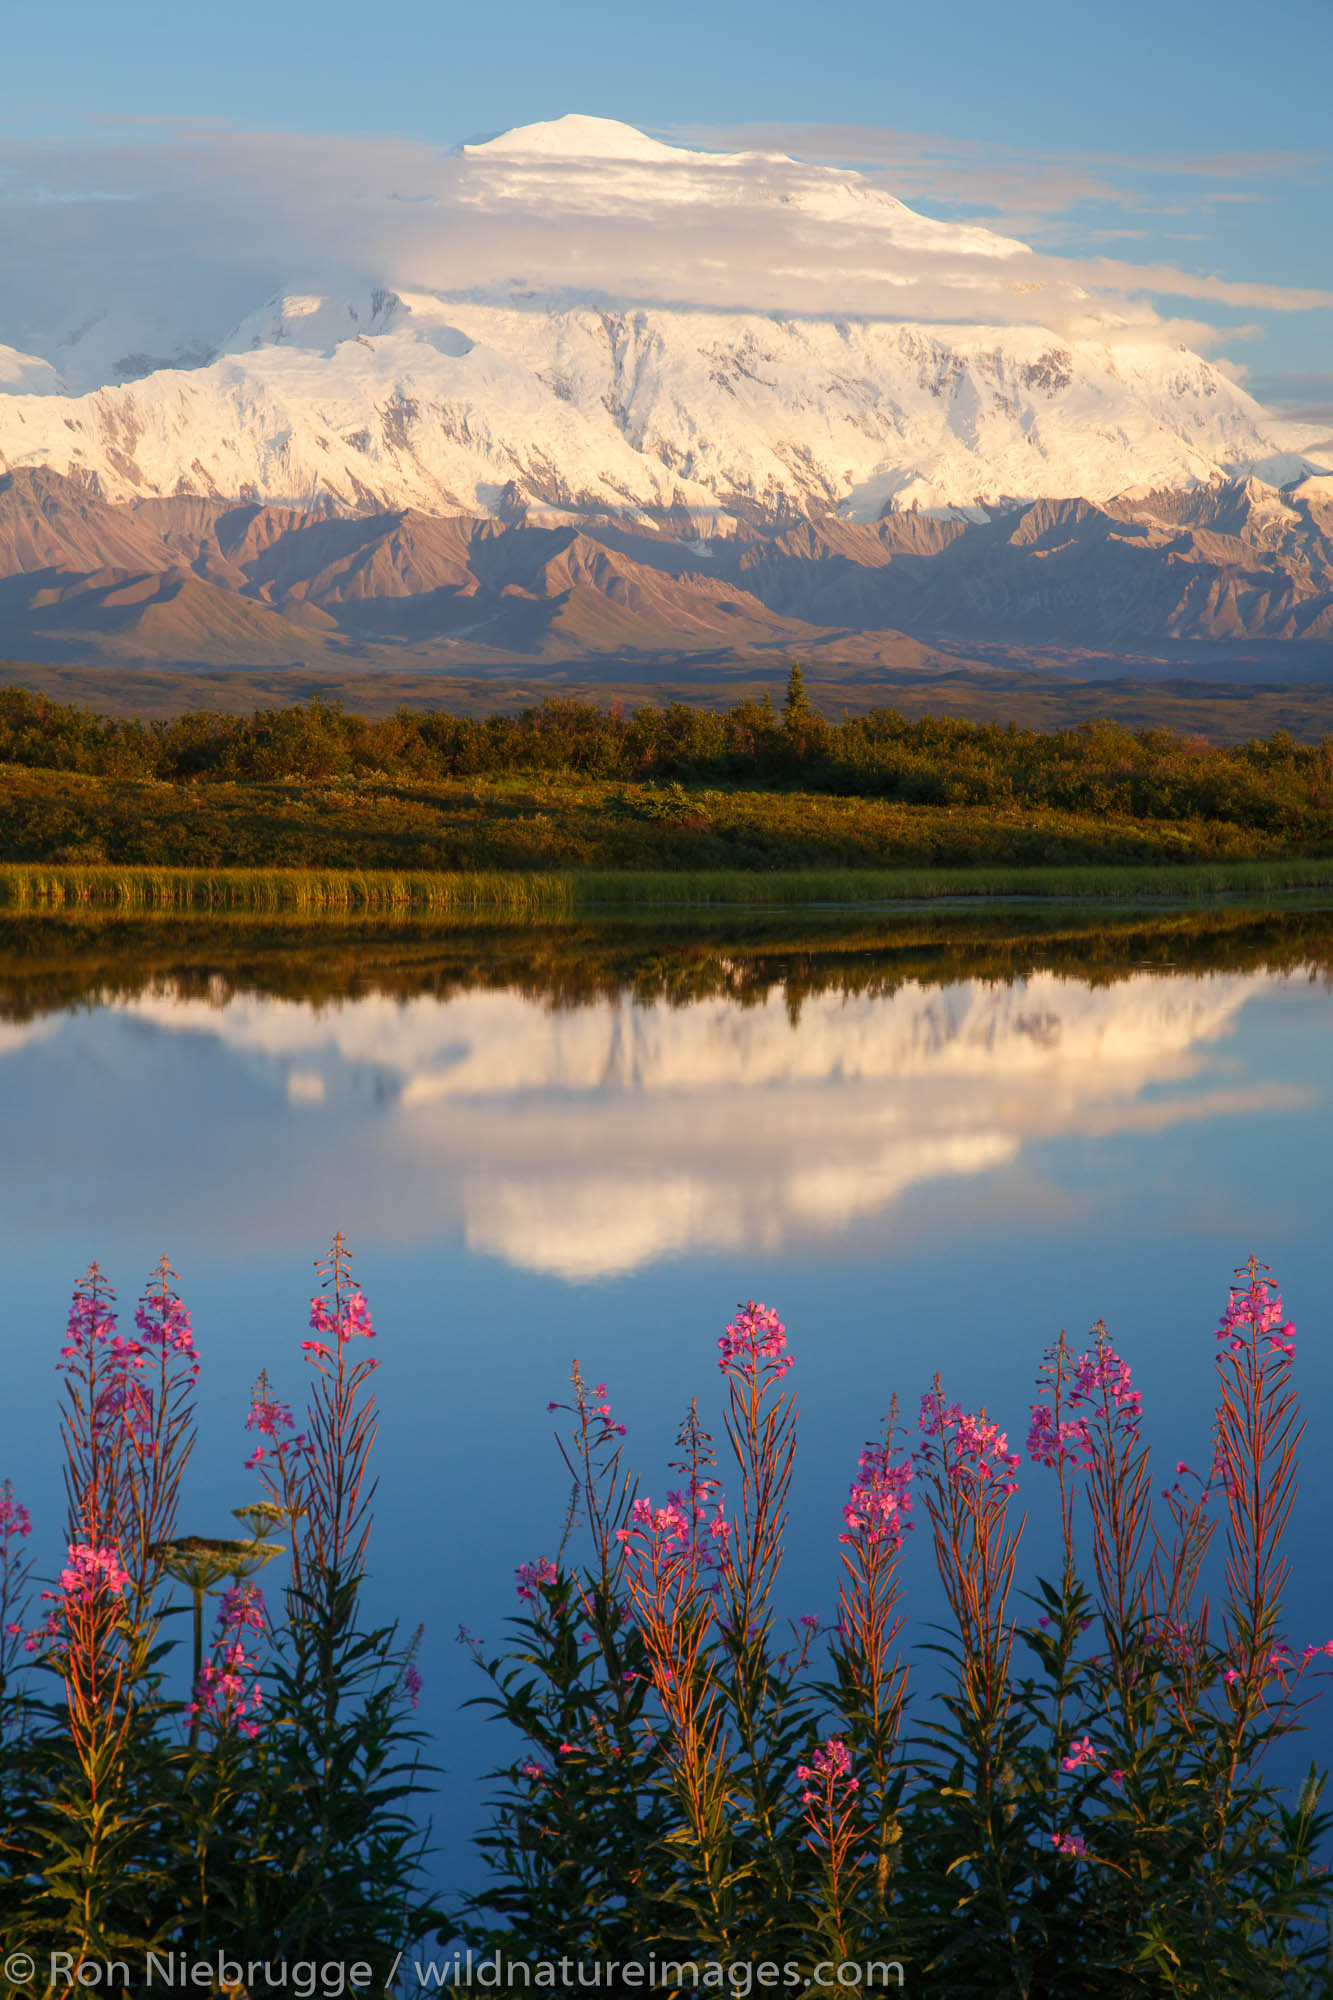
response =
{"points": [[471, 408]]}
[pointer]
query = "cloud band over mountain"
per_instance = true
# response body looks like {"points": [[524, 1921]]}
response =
{"points": [[150, 241]]}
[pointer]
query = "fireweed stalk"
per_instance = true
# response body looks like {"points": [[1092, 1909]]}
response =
{"points": [[277, 1455], [603, 1495], [870, 1676], [1138, 1739], [830, 1802], [576, 1848], [700, 1584], [967, 1479], [1119, 1485], [90, 1627], [1058, 1438], [336, 1488], [15, 1572], [158, 1414], [676, 1614], [89, 1651], [339, 1754], [1258, 1430], [1114, 1463], [96, 1364], [761, 1432]]}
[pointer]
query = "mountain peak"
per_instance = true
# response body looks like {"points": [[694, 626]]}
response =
{"points": [[577, 136]]}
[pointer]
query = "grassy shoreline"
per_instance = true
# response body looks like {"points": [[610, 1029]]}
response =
{"points": [[34, 887]]}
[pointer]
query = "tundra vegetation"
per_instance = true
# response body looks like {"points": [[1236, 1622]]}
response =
{"points": [[1091, 1798], [569, 785]]}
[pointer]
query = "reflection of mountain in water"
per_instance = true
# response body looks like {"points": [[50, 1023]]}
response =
{"points": [[588, 1141]]}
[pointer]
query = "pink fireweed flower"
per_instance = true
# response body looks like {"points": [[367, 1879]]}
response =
{"points": [[1050, 1444], [164, 1322], [270, 1417], [1068, 1843], [670, 1521], [981, 1451], [535, 1576], [14, 1518], [1103, 1380], [1254, 1316], [228, 1693], [92, 1320], [602, 1410], [355, 1318], [242, 1609], [412, 1682], [833, 1759], [595, 1414], [756, 1334], [49, 1629], [684, 1531], [1080, 1752], [880, 1500], [830, 1766], [92, 1570], [221, 1694]]}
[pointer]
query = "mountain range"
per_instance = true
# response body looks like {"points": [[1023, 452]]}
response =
{"points": [[520, 473]]}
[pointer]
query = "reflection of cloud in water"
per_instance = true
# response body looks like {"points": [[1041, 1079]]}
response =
{"points": [[16, 1035], [588, 1141]]}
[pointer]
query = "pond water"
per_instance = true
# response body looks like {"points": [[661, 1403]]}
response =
{"points": [[930, 1144]]}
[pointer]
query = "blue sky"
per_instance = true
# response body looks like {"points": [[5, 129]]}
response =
{"points": [[1176, 132]]}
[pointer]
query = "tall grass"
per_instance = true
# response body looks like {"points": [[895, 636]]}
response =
{"points": [[35, 887], [305, 891]]}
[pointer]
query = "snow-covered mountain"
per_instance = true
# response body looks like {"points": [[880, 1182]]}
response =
{"points": [[549, 398]]}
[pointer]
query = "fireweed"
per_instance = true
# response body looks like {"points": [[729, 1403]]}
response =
{"points": [[1084, 1807], [696, 1778], [268, 1812]]}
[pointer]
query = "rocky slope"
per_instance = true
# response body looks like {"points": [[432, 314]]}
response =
{"points": [[211, 582]]}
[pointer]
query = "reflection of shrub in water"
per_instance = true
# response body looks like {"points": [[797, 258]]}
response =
{"points": [[67, 959]]}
